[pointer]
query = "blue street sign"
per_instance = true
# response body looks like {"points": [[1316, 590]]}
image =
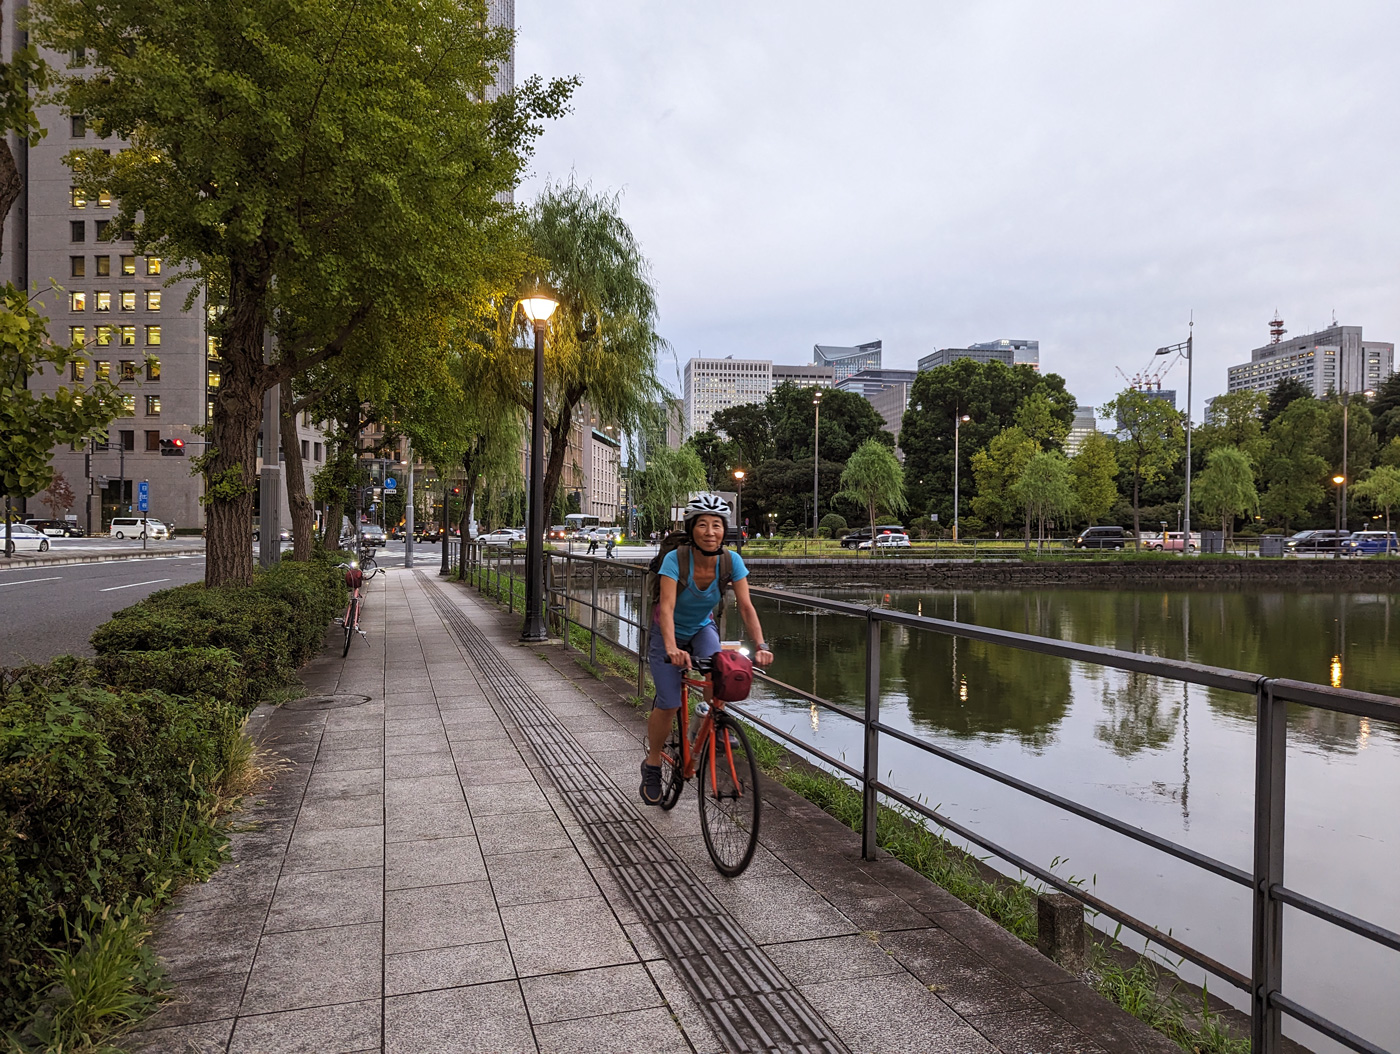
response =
{"points": [[143, 496], [391, 483]]}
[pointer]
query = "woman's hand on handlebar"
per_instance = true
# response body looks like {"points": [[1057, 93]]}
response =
{"points": [[678, 657], [763, 657]]}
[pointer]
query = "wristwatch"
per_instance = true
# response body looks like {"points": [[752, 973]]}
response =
{"points": [[762, 647]]}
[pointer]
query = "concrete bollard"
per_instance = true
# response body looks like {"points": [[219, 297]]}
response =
{"points": [[1060, 930]]}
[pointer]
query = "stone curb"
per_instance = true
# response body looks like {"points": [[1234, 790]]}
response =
{"points": [[18, 563]]}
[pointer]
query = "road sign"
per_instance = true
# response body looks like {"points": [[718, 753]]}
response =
{"points": [[391, 483], [143, 496]]}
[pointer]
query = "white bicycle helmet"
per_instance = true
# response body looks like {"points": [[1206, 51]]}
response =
{"points": [[706, 505]]}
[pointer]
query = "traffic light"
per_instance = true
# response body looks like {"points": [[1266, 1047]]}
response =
{"points": [[456, 491], [172, 448]]}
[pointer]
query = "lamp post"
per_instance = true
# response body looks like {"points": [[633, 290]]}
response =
{"points": [[537, 308], [739, 505], [1341, 482], [816, 457], [957, 467], [1184, 349]]}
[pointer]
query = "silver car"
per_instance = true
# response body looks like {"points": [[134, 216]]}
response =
{"points": [[24, 538]]}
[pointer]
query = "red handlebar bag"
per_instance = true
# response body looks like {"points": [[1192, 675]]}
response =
{"points": [[354, 578], [731, 674]]}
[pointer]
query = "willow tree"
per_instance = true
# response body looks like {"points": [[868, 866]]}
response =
{"points": [[1226, 487], [874, 480], [602, 345], [341, 161], [1045, 489], [1382, 489]]}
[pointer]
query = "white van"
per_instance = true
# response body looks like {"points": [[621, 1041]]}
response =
{"points": [[130, 527]]}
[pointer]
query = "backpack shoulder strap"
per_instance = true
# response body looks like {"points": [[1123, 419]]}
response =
{"points": [[725, 571], [686, 571]]}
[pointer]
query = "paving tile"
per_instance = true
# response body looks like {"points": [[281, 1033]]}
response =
{"points": [[327, 898], [396, 726], [433, 862], [831, 959], [411, 711], [345, 783], [481, 1019], [358, 758], [1038, 1029], [306, 968], [539, 877], [355, 718], [589, 993], [423, 790], [508, 768], [964, 980], [435, 743], [470, 745], [205, 1037], [472, 720], [523, 833], [331, 814], [615, 1034], [423, 971], [684, 1009], [569, 935], [440, 917], [506, 798], [772, 909], [337, 1029], [893, 1015], [316, 850], [355, 739], [411, 822], [409, 766]]}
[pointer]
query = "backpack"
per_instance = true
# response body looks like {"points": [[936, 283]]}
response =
{"points": [[685, 557], [731, 676]]}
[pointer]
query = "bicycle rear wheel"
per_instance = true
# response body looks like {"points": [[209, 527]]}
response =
{"points": [[672, 766], [729, 797], [352, 615]]}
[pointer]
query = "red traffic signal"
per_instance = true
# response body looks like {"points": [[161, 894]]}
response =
{"points": [[456, 490], [172, 448]]}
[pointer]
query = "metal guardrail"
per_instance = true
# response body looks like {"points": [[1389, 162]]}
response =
{"points": [[1263, 985]]}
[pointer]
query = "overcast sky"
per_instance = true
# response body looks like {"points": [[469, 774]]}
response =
{"points": [[934, 174]]}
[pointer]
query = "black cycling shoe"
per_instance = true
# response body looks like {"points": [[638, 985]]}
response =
{"points": [[651, 784]]}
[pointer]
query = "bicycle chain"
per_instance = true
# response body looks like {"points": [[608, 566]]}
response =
{"points": [[748, 1001]]}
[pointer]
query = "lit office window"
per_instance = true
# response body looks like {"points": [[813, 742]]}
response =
{"points": [[152, 299], [128, 336], [153, 265], [128, 300], [128, 265], [104, 199], [128, 370], [104, 370], [153, 406], [104, 336], [153, 369], [129, 405], [214, 378], [103, 300], [77, 198], [153, 336], [77, 301], [77, 335], [79, 369]]}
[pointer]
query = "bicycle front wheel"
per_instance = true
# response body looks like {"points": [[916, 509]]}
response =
{"points": [[368, 563], [729, 797], [352, 615], [672, 767]]}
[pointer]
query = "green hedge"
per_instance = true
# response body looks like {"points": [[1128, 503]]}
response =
{"points": [[111, 770]]}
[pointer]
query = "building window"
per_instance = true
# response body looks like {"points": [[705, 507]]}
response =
{"points": [[152, 299], [153, 369], [104, 370], [77, 266], [318, 451], [104, 199], [128, 299], [77, 126], [100, 229], [214, 378], [128, 407], [153, 406], [128, 439], [153, 265], [77, 57], [152, 439], [104, 266], [104, 336], [103, 300], [77, 198], [213, 347], [128, 368], [77, 335], [128, 336], [77, 301], [209, 410], [79, 369], [77, 231], [306, 450], [152, 336], [128, 265]]}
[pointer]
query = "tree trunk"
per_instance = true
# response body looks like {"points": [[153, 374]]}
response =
{"points": [[11, 185], [558, 451], [444, 526], [1137, 527], [1026, 534], [330, 539], [296, 477], [871, 508]]}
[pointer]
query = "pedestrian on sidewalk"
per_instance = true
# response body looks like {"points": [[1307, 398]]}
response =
{"points": [[692, 577], [592, 544], [611, 542]]}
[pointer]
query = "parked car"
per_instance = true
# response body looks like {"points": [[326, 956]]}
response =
{"points": [[889, 540], [862, 534], [503, 536], [24, 538], [1102, 538], [1369, 543], [1171, 542], [58, 528], [1316, 541], [136, 527]]}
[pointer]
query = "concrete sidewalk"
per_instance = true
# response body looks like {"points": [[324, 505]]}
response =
{"points": [[417, 880]]}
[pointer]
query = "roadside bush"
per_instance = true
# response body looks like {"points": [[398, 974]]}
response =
{"points": [[831, 523]]}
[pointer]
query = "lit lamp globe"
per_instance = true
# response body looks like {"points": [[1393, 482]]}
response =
{"points": [[739, 474], [1339, 480], [537, 307]]}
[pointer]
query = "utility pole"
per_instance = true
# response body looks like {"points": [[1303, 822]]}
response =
{"points": [[408, 516], [816, 460], [1185, 348], [270, 481]]}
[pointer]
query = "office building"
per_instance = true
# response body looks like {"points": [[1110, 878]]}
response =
{"points": [[1167, 395], [1008, 352], [805, 376], [846, 361], [712, 385], [1336, 359], [1085, 425], [871, 382]]}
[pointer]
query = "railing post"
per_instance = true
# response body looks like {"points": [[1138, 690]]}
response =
{"points": [[643, 631], [593, 623], [564, 599], [510, 581], [870, 770], [1266, 962]]}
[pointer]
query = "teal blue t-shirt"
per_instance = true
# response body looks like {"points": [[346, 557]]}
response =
{"points": [[693, 606]]}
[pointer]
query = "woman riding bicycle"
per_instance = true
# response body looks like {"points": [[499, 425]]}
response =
{"points": [[684, 625]]}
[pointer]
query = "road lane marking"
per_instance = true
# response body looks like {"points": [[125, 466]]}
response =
{"points": [[27, 581], [133, 585]]}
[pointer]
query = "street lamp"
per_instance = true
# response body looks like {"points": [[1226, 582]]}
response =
{"points": [[816, 456], [739, 505], [957, 466], [1184, 349], [537, 307], [1341, 482]]}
